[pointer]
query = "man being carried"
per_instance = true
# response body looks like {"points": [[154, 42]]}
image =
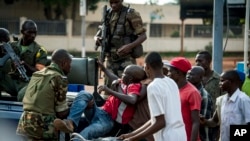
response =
{"points": [[118, 108]]}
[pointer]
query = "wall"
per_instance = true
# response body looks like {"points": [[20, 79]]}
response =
{"points": [[151, 44]]}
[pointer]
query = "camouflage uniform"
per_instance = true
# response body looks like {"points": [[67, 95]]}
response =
{"points": [[212, 87], [121, 29], [33, 54], [44, 97]]}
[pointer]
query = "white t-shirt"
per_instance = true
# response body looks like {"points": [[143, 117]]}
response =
{"points": [[164, 99]]}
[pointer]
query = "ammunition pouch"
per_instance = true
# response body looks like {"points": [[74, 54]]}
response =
{"points": [[137, 51]]}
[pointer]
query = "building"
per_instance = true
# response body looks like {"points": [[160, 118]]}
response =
{"points": [[162, 23]]}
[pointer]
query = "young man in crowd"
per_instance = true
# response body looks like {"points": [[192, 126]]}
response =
{"points": [[166, 121], [231, 108], [190, 96]]}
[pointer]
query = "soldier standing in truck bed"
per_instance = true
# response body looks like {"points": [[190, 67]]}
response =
{"points": [[125, 32]]}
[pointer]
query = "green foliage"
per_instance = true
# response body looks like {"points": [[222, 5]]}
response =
{"points": [[209, 47], [92, 4], [175, 34]]}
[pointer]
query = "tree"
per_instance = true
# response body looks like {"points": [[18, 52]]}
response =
{"points": [[59, 8], [56, 9]]}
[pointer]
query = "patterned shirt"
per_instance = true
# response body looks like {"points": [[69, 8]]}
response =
{"points": [[206, 103], [206, 111]]}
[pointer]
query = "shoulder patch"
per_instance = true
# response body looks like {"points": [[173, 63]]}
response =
{"points": [[38, 54]]}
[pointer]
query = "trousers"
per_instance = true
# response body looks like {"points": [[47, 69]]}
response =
{"points": [[100, 122]]}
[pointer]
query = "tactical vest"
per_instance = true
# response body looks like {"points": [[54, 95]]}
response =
{"points": [[39, 91], [121, 30]]}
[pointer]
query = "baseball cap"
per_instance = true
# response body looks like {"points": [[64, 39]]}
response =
{"points": [[181, 64], [165, 63]]}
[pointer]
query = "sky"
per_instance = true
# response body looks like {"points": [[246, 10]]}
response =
{"points": [[160, 2]]}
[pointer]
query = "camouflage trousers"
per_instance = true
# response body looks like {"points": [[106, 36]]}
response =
{"points": [[117, 67], [37, 127]]}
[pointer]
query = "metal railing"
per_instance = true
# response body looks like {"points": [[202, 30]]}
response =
{"points": [[45, 27]]}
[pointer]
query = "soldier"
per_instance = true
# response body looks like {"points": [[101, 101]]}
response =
{"points": [[45, 99], [32, 55], [125, 32], [4, 37]]}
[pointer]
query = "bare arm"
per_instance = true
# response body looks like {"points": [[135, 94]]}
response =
{"points": [[148, 128], [125, 49], [143, 92], [195, 125], [141, 38], [127, 98], [212, 122], [109, 74]]}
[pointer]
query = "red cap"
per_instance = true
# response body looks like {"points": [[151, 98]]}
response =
{"points": [[181, 64]]}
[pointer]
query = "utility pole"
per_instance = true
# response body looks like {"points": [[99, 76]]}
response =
{"points": [[182, 37], [246, 34], [83, 31], [217, 35]]}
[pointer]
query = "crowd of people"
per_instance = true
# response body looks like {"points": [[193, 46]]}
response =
{"points": [[162, 100]]}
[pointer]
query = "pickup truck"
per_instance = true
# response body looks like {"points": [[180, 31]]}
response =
{"points": [[84, 71]]}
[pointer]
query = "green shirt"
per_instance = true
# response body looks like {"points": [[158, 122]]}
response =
{"points": [[32, 54], [246, 86], [212, 86]]}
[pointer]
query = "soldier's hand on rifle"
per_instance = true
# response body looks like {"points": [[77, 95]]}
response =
{"points": [[98, 41], [29, 67], [16, 64], [124, 50]]}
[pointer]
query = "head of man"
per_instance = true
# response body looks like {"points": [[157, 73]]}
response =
{"points": [[4, 35], [179, 67], [29, 31], [195, 75], [133, 74], [153, 64], [116, 5], [203, 59], [63, 59], [229, 81]]}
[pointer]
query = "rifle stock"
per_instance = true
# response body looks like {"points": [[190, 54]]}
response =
{"points": [[16, 60]]}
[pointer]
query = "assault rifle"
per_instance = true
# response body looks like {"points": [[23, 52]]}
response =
{"points": [[12, 55], [104, 35]]}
